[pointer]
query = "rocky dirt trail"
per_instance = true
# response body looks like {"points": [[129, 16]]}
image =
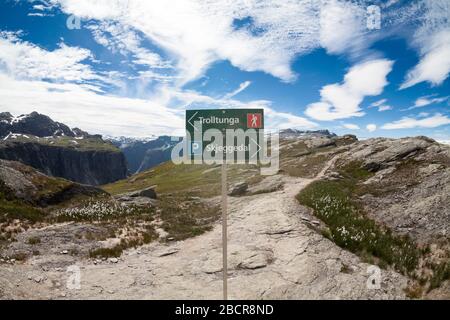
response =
{"points": [[273, 254]]}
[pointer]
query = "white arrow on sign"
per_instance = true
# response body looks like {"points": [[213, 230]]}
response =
{"points": [[189, 121], [259, 147]]}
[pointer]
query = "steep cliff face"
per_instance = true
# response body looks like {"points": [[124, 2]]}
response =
{"points": [[87, 166]]}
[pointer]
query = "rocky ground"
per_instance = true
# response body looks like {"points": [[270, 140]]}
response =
{"points": [[273, 254], [278, 248]]}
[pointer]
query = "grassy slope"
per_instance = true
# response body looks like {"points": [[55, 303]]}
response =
{"points": [[185, 180]]}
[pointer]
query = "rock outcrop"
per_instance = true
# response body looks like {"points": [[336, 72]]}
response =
{"points": [[410, 187], [23, 183], [238, 189], [144, 197]]}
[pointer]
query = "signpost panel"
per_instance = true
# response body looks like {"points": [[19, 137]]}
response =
{"points": [[242, 132]]}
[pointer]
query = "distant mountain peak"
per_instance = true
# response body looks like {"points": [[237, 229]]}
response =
{"points": [[144, 153], [295, 133], [124, 141], [36, 124]]}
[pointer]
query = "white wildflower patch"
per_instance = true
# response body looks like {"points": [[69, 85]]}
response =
{"points": [[97, 210]]}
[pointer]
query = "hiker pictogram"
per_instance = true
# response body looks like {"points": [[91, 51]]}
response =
{"points": [[254, 120]]}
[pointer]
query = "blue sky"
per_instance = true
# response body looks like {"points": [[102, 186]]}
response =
{"points": [[131, 67]]}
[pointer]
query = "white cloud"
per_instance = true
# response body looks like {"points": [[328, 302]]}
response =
{"points": [[85, 108], [341, 101], [432, 39], [371, 127], [197, 33], [423, 114], [384, 108], [378, 103], [98, 9], [256, 35], [274, 120], [342, 27], [77, 106], [244, 85], [409, 123], [444, 141], [24, 60], [427, 100], [27, 68], [268, 36], [36, 14], [434, 65], [123, 39], [39, 7], [252, 35], [283, 120], [351, 126], [381, 105], [43, 5]]}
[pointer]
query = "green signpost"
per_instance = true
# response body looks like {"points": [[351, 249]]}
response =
{"points": [[241, 133], [225, 136]]}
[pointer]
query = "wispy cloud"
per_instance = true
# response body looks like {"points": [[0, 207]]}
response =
{"points": [[244, 85], [351, 126], [24, 60], [409, 122], [431, 37], [381, 105], [124, 40], [169, 46], [371, 127], [426, 101], [434, 65]]}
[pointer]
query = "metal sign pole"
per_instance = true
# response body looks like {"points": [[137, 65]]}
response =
{"points": [[224, 229]]}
